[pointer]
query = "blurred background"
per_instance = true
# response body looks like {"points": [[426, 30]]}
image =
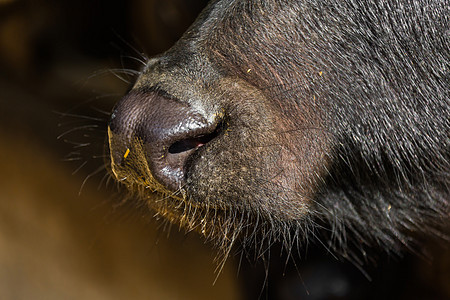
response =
{"points": [[66, 231]]}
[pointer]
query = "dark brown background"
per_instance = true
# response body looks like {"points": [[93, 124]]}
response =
{"points": [[55, 80]]}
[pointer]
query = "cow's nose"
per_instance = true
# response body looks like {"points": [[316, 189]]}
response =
{"points": [[155, 132]]}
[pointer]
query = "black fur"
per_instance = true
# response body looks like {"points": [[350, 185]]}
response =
{"points": [[330, 113]]}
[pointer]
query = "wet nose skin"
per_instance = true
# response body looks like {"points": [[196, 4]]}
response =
{"points": [[163, 129]]}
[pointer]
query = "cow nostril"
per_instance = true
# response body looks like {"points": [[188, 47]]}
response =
{"points": [[191, 143], [166, 131], [185, 145]]}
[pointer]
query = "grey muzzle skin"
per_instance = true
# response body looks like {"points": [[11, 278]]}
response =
{"points": [[151, 135]]}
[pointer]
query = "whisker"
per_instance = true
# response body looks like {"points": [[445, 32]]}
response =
{"points": [[76, 153], [76, 145], [84, 117], [101, 111], [120, 77], [141, 54], [72, 159], [76, 129], [125, 71], [89, 176], [141, 61], [79, 168], [104, 179]]}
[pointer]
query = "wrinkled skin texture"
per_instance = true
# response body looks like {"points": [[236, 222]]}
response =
{"points": [[296, 113]]}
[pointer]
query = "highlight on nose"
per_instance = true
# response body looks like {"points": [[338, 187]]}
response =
{"points": [[165, 132]]}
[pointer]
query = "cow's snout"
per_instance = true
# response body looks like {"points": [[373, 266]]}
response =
{"points": [[151, 134]]}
